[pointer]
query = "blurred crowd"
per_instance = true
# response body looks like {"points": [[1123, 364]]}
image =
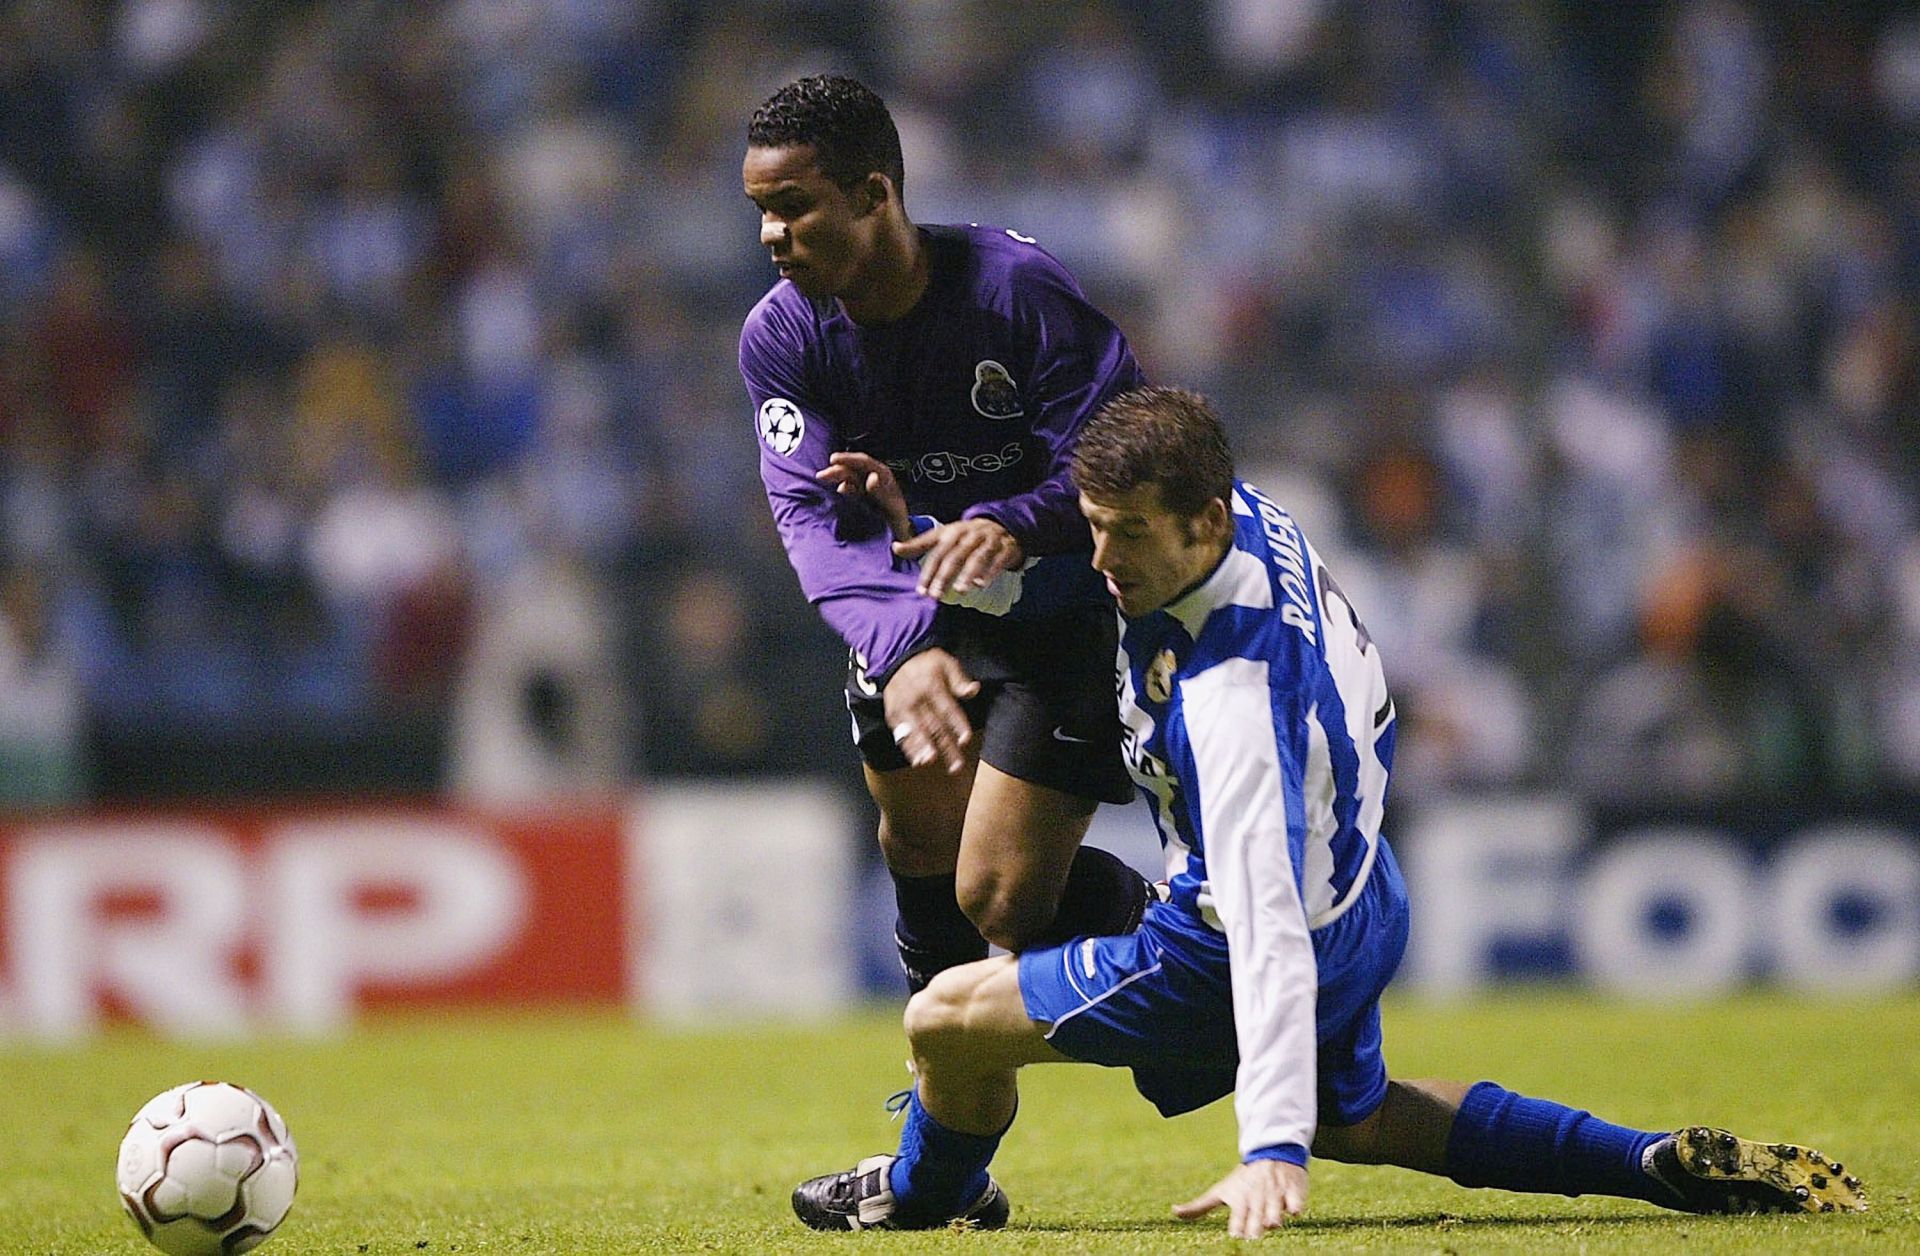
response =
{"points": [[367, 365]]}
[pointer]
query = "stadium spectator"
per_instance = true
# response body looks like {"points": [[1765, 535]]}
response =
{"points": [[537, 714], [495, 243], [42, 757]]}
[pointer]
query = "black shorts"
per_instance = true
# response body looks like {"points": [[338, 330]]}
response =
{"points": [[1046, 711]]}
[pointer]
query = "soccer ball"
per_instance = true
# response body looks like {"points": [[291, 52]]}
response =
{"points": [[207, 1169]]}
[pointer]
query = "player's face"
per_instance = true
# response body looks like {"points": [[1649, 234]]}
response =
{"points": [[819, 234], [1149, 554]]}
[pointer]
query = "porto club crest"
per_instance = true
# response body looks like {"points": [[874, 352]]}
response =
{"points": [[994, 393]]}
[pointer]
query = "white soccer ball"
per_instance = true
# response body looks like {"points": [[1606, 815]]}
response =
{"points": [[207, 1169]]}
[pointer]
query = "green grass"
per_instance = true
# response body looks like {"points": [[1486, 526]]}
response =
{"points": [[542, 1134]]}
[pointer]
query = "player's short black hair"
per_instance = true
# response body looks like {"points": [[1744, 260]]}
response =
{"points": [[1165, 436], [843, 119]]}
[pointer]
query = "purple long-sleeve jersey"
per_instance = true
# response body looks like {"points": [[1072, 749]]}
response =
{"points": [[973, 398]]}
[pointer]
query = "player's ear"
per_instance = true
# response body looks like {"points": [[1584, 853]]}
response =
{"points": [[875, 190], [1216, 520]]}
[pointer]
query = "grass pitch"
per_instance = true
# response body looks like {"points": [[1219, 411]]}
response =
{"points": [[563, 1134]]}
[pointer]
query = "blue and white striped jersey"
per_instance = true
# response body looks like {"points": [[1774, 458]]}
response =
{"points": [[1258, 725]]}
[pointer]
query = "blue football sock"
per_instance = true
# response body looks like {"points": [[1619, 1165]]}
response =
{"points": [[1521, 1144], [939, 1170]]}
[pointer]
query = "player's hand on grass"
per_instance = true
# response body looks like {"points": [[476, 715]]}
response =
{"points": [[857, 474], [962, 556], [923, 709], [1259, 1196]]}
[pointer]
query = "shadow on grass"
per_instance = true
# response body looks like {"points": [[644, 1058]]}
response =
{"points": [[1443, 1222]]}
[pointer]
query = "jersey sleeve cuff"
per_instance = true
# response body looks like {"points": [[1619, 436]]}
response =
{"points": [[992, 510], [1292, 1153], [925, 642]]}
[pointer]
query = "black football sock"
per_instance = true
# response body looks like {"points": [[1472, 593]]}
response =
{"points": [[933, 934], [1103, 897]]}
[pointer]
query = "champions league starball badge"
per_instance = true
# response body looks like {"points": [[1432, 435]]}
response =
{"points": [[781, 425]]}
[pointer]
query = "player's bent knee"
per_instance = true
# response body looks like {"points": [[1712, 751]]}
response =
{"points": [[937, 1016], [922, 815], [965, 1011], [1007, 913]]}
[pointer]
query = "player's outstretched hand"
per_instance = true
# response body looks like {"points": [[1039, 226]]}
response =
{"points": [[962, 556], [1259, 1196], [923, 709], [855, 474]]}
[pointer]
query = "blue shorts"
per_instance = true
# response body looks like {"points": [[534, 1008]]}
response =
{"points": [[1158, 1001]]}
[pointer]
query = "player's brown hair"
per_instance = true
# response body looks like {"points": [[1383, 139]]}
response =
{"points": [[1165, 436]]}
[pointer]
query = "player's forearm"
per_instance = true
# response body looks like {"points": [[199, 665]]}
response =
{"points": [[1044, 520], [1247, 790], [883, 631], [1275, 1099], [861, 590], [1275, 977], [873, 604]]}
